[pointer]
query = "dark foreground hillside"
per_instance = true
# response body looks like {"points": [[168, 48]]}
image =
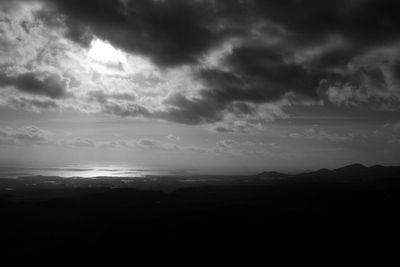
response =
{"points": [[348, 216]]}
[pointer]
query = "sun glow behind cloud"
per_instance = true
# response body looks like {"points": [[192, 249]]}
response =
{"points": [[105, 53], [105, 59]]}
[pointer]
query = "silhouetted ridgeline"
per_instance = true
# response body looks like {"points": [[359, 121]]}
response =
{"points": [[323, 218]]}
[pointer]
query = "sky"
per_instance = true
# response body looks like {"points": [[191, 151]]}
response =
{"points": [[215, 86]]}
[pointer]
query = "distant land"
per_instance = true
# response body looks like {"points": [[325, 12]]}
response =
{"points": [[326, 217], [26, 185], [350, 171]]}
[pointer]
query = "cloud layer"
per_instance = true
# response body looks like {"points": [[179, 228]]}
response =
{"points": [[225, 63]]}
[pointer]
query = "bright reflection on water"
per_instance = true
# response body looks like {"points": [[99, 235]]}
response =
{"points": [[84, 172]]}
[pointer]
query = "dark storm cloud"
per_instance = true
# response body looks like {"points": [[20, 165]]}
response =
{"points": [[43, 83], [256, 75], [259, 75], [178, 32], [367, 22], [204, 109], [169, 32], [191, 111], [334, 59], [396, 71]]}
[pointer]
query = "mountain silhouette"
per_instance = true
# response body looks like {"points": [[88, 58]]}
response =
{"points": [[349, 173]]}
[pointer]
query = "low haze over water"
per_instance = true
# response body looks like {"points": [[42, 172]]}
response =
{"points": [[85, 172]]}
